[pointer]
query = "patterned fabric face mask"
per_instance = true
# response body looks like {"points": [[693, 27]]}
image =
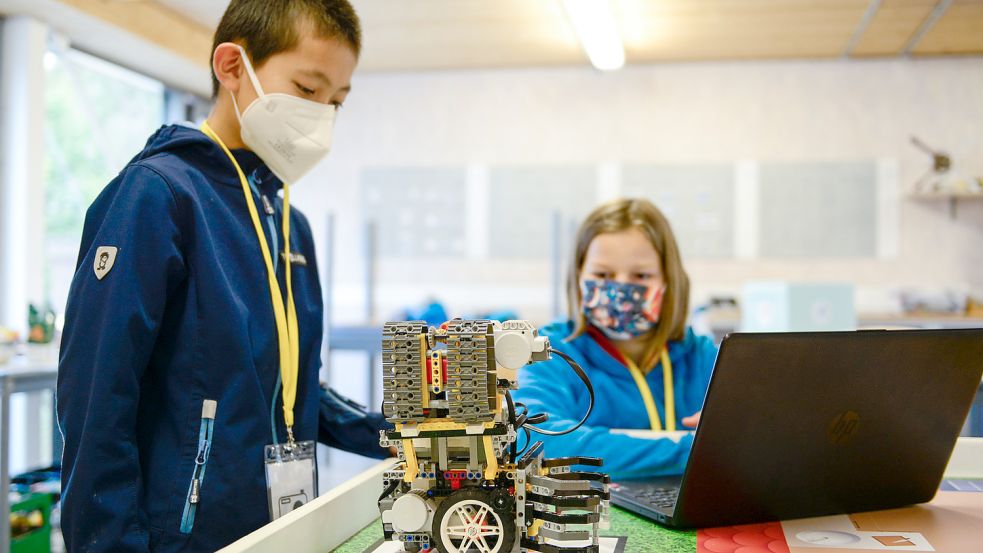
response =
{"points": [[621, 311]]}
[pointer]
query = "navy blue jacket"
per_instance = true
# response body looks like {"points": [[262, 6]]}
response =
{"points": [[182, 317]]}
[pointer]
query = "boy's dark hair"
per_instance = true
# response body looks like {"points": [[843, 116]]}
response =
{"points": [[268, 27]]}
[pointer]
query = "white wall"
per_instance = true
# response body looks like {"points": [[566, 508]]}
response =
{"points": [[21, 178], [22, 229], [694, 112]]}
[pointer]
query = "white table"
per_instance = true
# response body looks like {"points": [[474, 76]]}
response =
{"points": [[17, 376], [324, 523], [332, 519]]}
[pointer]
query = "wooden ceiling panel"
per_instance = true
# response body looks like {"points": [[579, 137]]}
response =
{"points": [[442, 12], [157, 24], [958, 31], [655, 30], [440, 34], [408, 35], [894, 24]]}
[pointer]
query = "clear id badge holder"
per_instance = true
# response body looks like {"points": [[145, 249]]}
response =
{"points": [[291, 478]]}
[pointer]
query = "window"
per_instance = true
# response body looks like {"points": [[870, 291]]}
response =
{"points": [[97, 117]]}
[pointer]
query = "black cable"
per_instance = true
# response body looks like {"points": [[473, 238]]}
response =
{"points": [[590, 407], [389, 489], [528, 441], [518, 422], [527, 422], [538, 418], [513, 420]]}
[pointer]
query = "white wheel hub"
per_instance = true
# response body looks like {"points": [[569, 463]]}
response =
{"points": [[472, 525]]}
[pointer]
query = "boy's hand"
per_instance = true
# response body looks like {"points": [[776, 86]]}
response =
{"points": [[693, 420]]}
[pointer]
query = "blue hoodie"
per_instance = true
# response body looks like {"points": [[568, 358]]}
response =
{"points": [[553, 388], [183, 316]]}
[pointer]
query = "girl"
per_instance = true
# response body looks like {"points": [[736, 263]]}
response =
{"points": [[628, 299]]}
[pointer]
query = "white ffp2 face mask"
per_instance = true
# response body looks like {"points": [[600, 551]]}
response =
{"points": [[288, 133]]}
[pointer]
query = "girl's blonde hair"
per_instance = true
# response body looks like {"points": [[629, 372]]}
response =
{"points": [[620, 215]]}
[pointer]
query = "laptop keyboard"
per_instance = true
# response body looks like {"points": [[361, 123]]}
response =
{"points": [[648, 494]]}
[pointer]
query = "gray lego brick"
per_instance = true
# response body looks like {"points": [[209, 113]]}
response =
{"points": [[470, 371], [401, 358]]}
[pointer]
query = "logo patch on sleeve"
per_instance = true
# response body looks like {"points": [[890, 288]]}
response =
{"points": [[105, 259]]}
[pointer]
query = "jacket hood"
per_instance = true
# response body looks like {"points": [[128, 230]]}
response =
{"points": [[188, 142]]}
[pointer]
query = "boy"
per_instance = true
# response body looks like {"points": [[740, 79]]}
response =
{"points": [[193, 330]]}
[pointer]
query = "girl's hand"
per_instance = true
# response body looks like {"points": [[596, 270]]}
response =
{"points": [[693, 420]]}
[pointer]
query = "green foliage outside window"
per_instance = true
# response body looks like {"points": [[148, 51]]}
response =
{"points": [[97, 117]]}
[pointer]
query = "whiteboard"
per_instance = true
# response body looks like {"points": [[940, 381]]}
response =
{"points": [[697, 199], [418, 211], [522, 201], [818, 209]]}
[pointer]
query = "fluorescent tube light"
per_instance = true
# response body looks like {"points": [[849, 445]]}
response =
{"points": [[594, 23]]}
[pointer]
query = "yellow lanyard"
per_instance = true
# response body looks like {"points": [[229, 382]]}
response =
{"points": [[646, 392], [288, 338]]}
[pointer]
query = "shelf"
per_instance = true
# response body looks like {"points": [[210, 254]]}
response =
{"points": [[951, 197], [946, 195]]}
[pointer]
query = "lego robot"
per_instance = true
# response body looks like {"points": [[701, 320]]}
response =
{"points": [[460, 484]]}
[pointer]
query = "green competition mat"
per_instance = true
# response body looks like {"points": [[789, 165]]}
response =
{"points": [[644, 536]]}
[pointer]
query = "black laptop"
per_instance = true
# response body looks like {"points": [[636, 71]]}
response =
{"points": [[811, 424]]}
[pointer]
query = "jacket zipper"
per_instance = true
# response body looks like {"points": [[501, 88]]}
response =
{"points": [[270, 223], [205, 434]]}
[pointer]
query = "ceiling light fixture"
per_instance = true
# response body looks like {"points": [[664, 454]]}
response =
{"points": [[595, 25]]}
